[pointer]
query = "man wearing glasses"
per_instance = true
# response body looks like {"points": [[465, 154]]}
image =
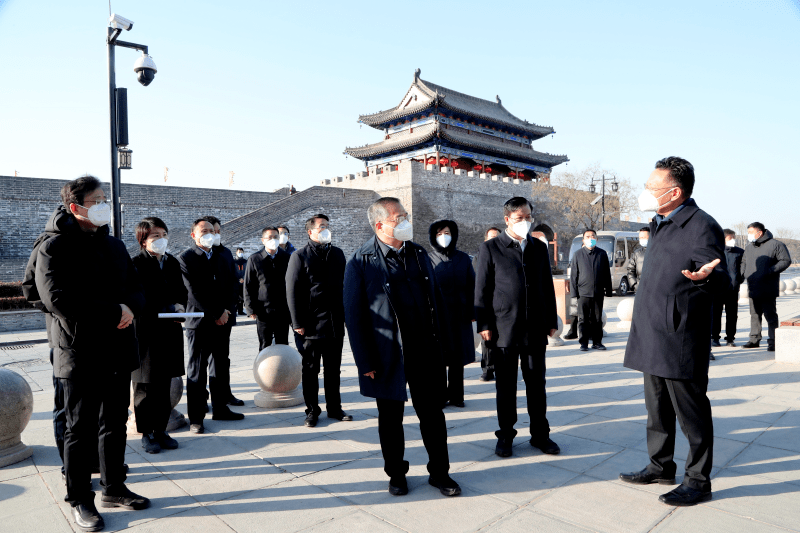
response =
{"points": [[515, 307], [87, 282], [314, 284]]}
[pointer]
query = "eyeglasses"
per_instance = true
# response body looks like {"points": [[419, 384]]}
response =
{"points": [[399, 219], [97, 202], [651, 189], [520, 219]]}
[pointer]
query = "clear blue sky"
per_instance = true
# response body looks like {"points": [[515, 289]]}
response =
{"points": [[272, 90]]}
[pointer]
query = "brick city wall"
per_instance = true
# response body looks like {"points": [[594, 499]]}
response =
{"points": [[21, 320]]}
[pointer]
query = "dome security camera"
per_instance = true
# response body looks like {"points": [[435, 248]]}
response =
{"points": [[145, 69]]}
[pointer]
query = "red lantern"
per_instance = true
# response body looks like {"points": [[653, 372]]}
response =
{"points": [[454, 164], [478, 167], [488, 170], [431, 161], [521, 176], [443, 161], [512, 174]]}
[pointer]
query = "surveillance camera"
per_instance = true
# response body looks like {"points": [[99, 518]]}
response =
{"points": [[119, 23], [145, 69]]}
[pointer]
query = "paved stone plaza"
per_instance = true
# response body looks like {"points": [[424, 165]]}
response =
{"points": [[270, 473]]}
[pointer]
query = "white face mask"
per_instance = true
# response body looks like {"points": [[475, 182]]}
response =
{"points": [[270, 244], [521, 228], [730, 243], [284, 238], [590, 243], [159, 246], [324, 236], [404, 231], [643, 242], [648, 202], [99, 214], [207, 240], [444, 240], [217, 239], [751, 237], [239, 254]]}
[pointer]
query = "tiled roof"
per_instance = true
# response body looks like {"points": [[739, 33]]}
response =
{"points": [[420, 135]]}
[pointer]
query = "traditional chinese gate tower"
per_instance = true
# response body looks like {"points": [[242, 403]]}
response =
{"points": [[437, 126]]}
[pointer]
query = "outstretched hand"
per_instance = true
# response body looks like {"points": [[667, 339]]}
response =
{"points": [[703, 273]]}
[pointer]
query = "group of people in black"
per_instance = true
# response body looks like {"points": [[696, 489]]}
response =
{"points": [[408, 314]]}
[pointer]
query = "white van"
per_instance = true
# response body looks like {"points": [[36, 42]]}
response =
{"points": [[619, 246]]}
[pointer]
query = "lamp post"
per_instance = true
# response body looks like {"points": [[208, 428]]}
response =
{"points": [[593, 189], [145, 69]]}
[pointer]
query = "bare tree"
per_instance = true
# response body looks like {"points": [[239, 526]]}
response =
{"points": [[741, 233], [786, 234]]}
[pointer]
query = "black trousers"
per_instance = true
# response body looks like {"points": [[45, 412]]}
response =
{"points": [[151, 405], [59, 418], [329, 352], [267, 329], [730, 303], [209, 348], [486, 362], [590, 315], [96, 410], [759, 307], [455, 383], [506, 363], [426, 400], [686, 400]]}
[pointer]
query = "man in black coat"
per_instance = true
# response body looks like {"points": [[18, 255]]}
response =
{"points": [[210, 280], [240, 263], [314, 284], [762, 263], [669, 338], [87, 282], [265, 290], [590, 279], [728, 300], [396, 322], [515, 307], [487, 372], [635, 264]]}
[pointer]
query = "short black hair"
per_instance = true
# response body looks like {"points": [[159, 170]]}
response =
{"points": [[212, 219], [199, 220], [313, 220], [515, 204], [268, 228], [283, 227], [146, 226], [646, 228], [75, 191], [681, 172], [589, 230], [728, 232], [240, 249], [493, 228], [757, 225]]}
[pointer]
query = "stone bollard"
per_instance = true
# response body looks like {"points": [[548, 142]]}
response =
{"points": [[176, 418], [16, 408], [556, 339], [782, 288], [791, 286], [625, 313], [278, 371], [744, 295]]}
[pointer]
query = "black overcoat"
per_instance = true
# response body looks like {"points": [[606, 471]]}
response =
{"points": [[672, 318], [314, 284], [762, 264], [456, 279], [212, 285], [733, 255], [160, 339], [265, 286], [590, 275], [372, 324], [82, 278], [514, 294]]}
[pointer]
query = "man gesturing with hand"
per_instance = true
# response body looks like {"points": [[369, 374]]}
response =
{"points": [[671, 330]]}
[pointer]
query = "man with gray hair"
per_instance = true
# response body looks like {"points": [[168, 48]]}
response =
{"points": [[395, 318]]}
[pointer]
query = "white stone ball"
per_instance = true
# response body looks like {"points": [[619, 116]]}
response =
{"points": [[278, 368], [625, 309], [782, 286], [16, 407], [791, 285], [797, 281], [175, 391]]}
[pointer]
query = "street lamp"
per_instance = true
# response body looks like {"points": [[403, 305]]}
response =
{"points": [[145, 69], [592, 189]]}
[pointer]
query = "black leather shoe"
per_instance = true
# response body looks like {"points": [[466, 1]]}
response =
{"points": [[445, 484], [750, 345], [398, 486], [341, 416], [584, 348], [570, 337], [87, 518], [150, 444], [236, 402], [711, 357], [770, 348], [165, 441], [311, 420], [715, 342], [227, 414], [503, 448], [645, 477], [197, 428], [731, 343], [684, 496], [126, 499], [487, 376], [598, 347], [546, 445]]}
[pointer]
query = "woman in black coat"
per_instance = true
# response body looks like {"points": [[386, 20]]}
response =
{"points": [[160, 339], [456, 277]]}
